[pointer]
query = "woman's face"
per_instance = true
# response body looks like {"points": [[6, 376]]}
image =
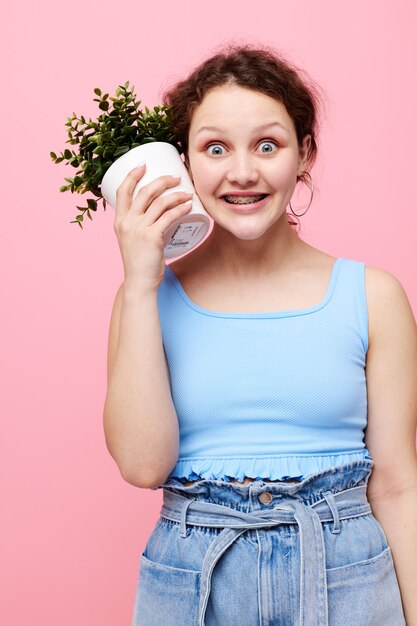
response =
{"points": [[250, 147]]}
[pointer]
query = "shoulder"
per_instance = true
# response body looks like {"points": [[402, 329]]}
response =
{"points": [[387, 303], [382, 287]]}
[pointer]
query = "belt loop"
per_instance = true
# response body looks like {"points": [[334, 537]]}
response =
{"points": [[333, 507], [183, 524]]}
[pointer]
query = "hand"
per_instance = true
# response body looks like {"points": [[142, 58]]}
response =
{"points": [[140, 224]]}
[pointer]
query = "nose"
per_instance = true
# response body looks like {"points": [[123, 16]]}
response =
{"points": [[242, 170]]}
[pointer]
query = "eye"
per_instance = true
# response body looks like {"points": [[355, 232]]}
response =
{"points": [[217, 146], [268, 141]]}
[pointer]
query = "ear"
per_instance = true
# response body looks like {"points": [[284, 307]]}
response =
{"points": [[303, 152]]}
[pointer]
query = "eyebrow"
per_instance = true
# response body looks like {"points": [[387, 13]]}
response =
{"points": [[213, 128]]}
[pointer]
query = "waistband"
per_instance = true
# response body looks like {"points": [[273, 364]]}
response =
{"points": [[291, 508]]}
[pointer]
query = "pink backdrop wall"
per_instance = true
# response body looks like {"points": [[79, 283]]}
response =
{"points": [[71, 529]]}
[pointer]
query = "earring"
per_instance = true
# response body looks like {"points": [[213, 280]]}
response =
{"points": [[310, 185]]}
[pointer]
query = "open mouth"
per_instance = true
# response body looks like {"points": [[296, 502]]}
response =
{"points": [[244, 199]]}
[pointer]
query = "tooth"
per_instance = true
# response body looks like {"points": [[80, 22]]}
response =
{"points": [[245, 199]]}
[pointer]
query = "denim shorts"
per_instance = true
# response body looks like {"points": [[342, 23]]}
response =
{"points": [[307, 553]]}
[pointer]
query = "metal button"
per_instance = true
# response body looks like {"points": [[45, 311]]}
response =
{"points": [[265, 497]]}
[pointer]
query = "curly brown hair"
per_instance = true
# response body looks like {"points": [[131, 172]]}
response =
{"points": [[257, 67]]}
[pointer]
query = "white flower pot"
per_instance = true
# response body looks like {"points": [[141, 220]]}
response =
{"points": [[162, 158]]}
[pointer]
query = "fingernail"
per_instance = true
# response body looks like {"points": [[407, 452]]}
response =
{"points": [[138, 167]]}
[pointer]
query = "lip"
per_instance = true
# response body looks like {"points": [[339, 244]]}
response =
{"points": [[245, 208], [245, 193]]}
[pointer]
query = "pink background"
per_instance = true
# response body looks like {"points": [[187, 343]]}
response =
{"points": [[71, 529]]}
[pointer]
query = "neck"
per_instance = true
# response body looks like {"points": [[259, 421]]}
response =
{"points": [[254, 258]]}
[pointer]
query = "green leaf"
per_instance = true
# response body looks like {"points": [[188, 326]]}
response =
{"points": [[110, 135], [92, 204], [121, 150], [79, 218]]}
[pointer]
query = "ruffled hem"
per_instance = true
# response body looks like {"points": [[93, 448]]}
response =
{"points": [[272, 468]]}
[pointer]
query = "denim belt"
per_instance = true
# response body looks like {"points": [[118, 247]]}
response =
{"points": [[291, 510]]}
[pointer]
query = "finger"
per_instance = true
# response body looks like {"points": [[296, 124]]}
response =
{"points": [[125, 190], [150, 192], [162, 204], [170, 216]]}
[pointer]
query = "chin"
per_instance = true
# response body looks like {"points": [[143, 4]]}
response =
{"points": [[247, 233]]}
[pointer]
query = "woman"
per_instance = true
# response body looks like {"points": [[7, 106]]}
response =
{"points": [[267, 387]]}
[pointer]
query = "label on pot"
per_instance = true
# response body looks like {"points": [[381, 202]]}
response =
{"points": [[185, 235]]}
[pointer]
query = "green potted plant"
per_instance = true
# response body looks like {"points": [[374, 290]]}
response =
{"points": [[123, 136]]}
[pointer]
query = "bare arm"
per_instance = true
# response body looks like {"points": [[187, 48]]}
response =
{"points": [[390, 436], [140, 422]]}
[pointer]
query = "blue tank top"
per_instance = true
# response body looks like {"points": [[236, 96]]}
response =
{"points": [[273, 395]]}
